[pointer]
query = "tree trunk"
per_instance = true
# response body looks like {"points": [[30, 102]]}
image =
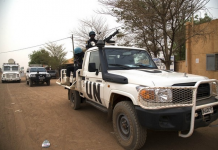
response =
{"points": [[167, 64]]}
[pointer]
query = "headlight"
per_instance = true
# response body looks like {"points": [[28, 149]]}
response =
{"points": [[47, 75], [3, 75], [163, 95], [156, 95], [214, 88], [32, 75], [17, 75]]}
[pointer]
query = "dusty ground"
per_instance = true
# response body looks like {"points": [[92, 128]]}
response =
{"points": [[30, 115]]}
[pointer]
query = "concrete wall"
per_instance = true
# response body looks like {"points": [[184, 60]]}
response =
{"points": [[196, 49]]}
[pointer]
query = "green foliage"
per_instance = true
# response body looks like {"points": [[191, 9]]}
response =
{"points": [[39, 57], [52, 55], [198, 20]]}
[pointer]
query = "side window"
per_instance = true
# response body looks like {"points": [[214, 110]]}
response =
{"points": [[94, 62]]}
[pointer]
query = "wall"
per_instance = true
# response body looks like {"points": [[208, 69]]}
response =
{"points": [[197, 48]]}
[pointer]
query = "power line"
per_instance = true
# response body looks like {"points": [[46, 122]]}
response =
{"points": [[212, 8], [50, 42], [34, 46]]}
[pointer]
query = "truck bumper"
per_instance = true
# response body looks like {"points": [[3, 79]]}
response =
{"points": [[35, 79], [176, 119], [10, 79]]}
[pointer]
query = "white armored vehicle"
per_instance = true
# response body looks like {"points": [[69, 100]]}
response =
{"points": [[11, 71]]}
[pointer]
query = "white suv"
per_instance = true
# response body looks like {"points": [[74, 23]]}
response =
{"points": [[37, 75]]}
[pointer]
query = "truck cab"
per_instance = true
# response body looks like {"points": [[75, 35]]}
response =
{"points": [[11, 72], [125, 83]]}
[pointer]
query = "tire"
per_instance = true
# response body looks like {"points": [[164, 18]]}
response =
{"points": [[30, 83], [75, 100], [48, 82], [68, 94], [130, 135]]}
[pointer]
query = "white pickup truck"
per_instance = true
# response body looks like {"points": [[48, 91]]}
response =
{"points": [[125, 83]]}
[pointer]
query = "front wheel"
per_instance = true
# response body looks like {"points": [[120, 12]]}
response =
{"points": [[48, 82], [75, 100], [30, 83], [129, 132]]}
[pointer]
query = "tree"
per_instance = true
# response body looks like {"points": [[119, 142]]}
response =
{"points": [[157, 25], [52, 55], [39, 57], [96, 24], [57, 55]]}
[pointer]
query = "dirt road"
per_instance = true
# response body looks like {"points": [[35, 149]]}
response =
{"points": [[30, 115]]}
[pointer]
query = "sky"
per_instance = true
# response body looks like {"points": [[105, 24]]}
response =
{"points": [[27, 23]]}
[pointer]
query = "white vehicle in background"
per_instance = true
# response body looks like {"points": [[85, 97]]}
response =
{"points": [[10, 71]]}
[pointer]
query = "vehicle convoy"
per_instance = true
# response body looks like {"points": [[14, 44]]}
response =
{"points": [[125, 83], [36, 75], [11, 71]]}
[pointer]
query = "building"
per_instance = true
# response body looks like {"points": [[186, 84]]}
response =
{"points": [[201, 53]]}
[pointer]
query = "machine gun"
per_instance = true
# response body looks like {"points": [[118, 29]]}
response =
{"points": [[108, 39]]}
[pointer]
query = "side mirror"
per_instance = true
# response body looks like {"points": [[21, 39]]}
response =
{"points": [[27, 71], [92, 67]]}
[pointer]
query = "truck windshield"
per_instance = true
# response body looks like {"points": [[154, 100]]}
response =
{"points": [[37, 69], [118, 58], [6, 68], [14, 68]]}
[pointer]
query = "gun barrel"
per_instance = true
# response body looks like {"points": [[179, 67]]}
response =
{"points": [[112, 35]]}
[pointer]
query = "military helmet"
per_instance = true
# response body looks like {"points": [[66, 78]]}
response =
{"points": [[77, 50], [91, 33]]}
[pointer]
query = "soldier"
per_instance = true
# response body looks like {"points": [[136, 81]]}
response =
{"points": [[78, 60], [92, 39]]}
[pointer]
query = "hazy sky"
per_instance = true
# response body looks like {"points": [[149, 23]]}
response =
{"points": [[26, 23]]}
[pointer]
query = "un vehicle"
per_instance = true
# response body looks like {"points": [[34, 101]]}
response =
{"points": [[11, 72], [125, 83], [36, 75]]}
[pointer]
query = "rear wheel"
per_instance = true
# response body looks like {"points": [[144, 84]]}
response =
{"points": [[30, 83], [130, 134], [75, 100]]}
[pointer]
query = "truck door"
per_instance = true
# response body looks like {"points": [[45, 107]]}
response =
{"points": [[93, 84]]}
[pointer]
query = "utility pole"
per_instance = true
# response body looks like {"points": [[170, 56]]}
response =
{"points": [[73, 47]]}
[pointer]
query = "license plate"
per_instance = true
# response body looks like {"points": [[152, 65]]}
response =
{"points": [[41, 78], [207, 110]]}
